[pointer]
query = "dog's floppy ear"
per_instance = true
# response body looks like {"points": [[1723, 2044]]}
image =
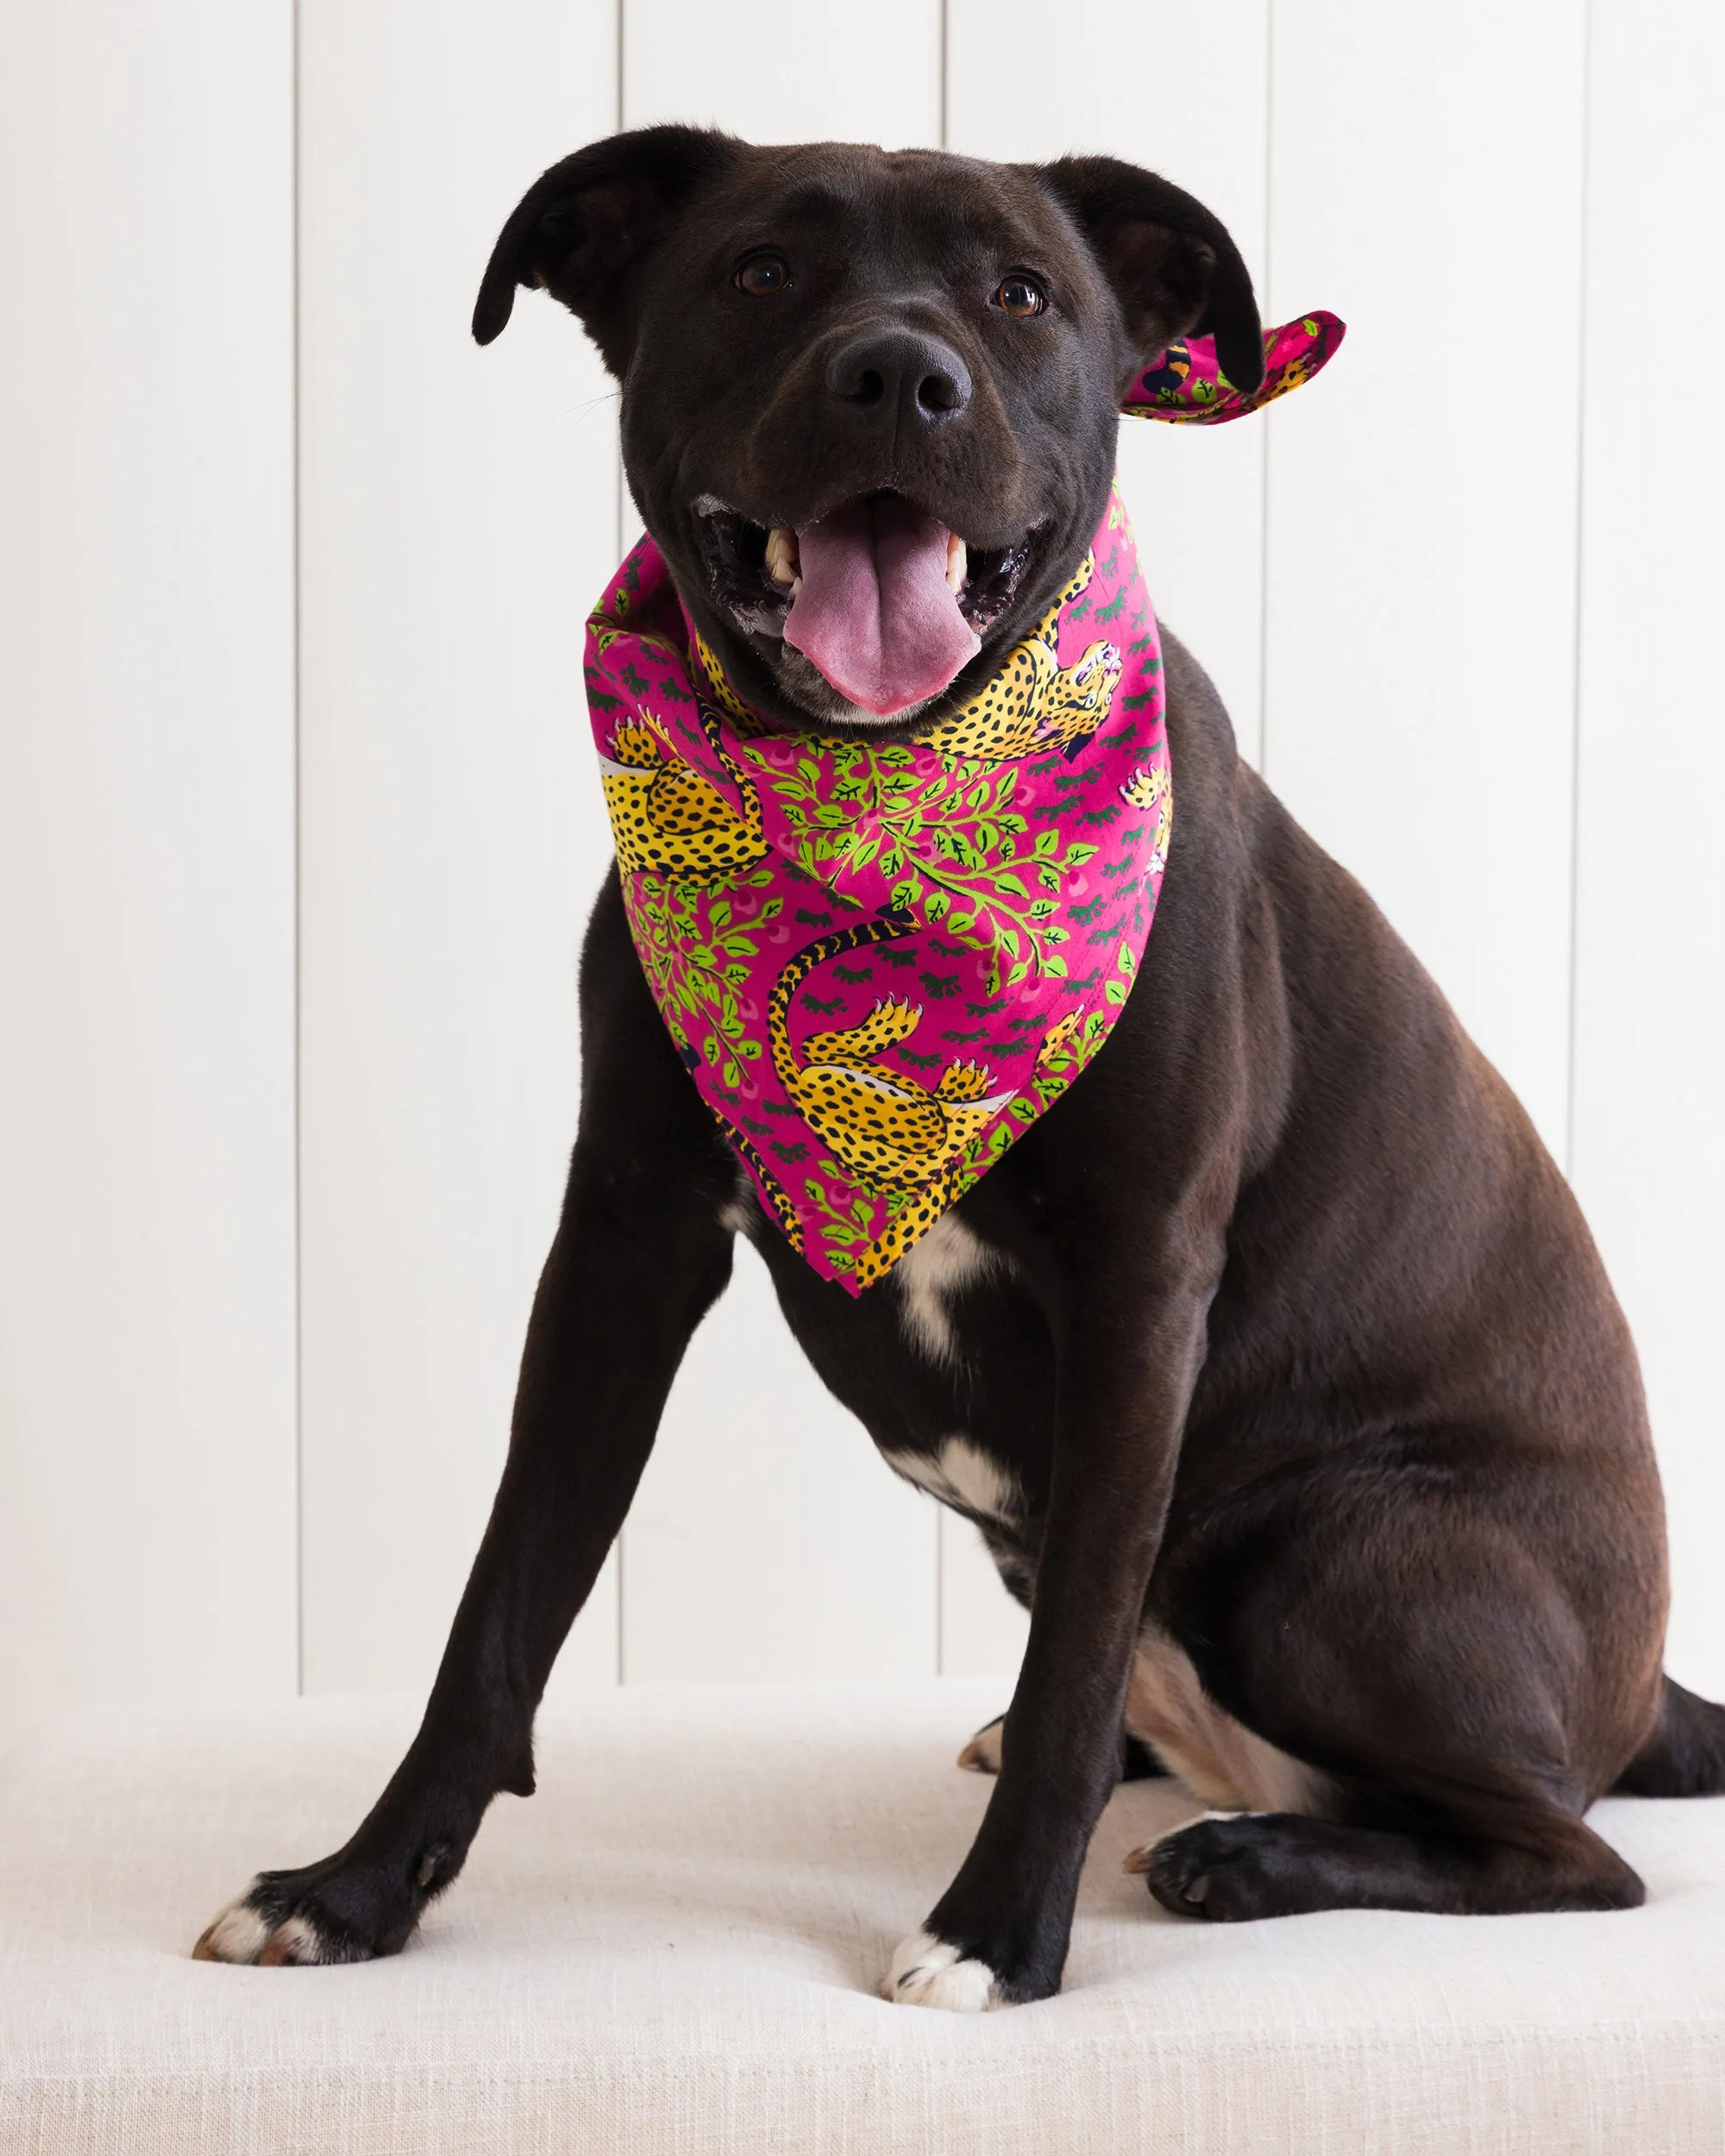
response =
{"points": [[1174, 270], [584, 226]]}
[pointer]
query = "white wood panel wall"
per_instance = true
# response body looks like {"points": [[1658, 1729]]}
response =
{"points": [[1425, 183], [1382, 573], [146, 1281], [458, 513], [1649, 1160]]}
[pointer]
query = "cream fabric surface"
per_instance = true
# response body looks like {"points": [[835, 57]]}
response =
{"points": [[673, 1949]]}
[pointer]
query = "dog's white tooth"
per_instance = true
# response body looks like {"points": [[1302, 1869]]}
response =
{"points": [[796, 586], [958, 563], [781, 546]]}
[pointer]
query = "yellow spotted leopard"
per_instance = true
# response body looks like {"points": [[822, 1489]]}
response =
{"points": [[669, 820], [893, 1134], [1148, 789], [1033, 702]]}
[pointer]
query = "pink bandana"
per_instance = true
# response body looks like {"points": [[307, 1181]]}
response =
{"points": [[1187, 387], [880, 964]]}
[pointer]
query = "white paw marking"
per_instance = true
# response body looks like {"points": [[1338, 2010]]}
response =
{"points": [[928, 1971], [298, 1943], [237, 1934], [948, 1257], [963, 1477], [982, 1754]]}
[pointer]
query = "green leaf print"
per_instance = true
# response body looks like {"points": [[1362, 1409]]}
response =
{"points": [[697, 956], [955, 848]]}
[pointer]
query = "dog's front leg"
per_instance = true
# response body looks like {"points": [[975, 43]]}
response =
{"points": [[640, 1254], [1129, 1358]]}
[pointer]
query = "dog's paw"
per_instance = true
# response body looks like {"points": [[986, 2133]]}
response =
{"points": [[1223, 1869], [339, 1910], [982, 1754], [259, 1930], [930, 1972]]}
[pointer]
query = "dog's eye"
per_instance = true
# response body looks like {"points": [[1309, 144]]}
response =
{"points": [[763, 273], [1021, 296]]}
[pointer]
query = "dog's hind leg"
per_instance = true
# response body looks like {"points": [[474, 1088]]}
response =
{"points": [[1467, 1676], [640, 1253], [1279, 1864]]}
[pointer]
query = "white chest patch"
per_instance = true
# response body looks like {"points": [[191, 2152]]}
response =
{"points": [[965, 1476], [1219, 1759], [947, 1258]]}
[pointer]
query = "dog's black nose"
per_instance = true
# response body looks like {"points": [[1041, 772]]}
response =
{"points": [[900, 374]]}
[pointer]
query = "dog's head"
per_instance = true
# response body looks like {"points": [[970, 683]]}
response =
{"points": [[869, 398]]}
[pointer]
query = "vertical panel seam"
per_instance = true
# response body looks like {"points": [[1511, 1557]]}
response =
{"points": [[298, 870], [940, 1594], [1268, 436], [945, 65], [939, 1521], [617, 1552], [1585, 177]]}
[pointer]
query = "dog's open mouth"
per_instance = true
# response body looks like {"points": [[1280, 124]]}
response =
{"points": [[883, 598]]}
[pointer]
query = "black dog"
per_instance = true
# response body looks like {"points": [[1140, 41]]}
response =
{"points": [[1296, 1403]]}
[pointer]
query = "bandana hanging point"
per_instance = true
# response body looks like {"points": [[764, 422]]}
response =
{"points": [[880, 964]]}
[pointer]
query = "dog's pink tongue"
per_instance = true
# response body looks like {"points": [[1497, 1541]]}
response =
{"points": [[874, 613]]}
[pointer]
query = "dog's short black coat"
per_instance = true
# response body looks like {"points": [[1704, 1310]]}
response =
{"points": [[1281, 1333]]}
